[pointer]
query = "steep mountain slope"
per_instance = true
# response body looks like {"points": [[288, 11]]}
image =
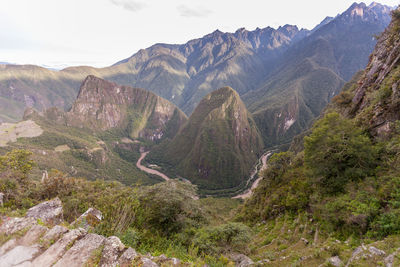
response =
{"points": [[101, 135], [313, 70], [345, 181], [218, 145]]}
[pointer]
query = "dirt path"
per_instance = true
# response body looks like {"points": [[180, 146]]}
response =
{"points": [[148, 170], [248, 192]]}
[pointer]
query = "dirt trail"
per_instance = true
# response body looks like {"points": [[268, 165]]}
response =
{"points": [[248, 192], [148, 170]]}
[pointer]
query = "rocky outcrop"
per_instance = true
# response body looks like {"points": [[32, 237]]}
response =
{"points": [[102, 105], [89, 219], [33, 245], [50, 212]]}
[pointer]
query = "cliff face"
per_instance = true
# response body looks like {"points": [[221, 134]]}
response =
{"points": [[376, 100], [218, 145], [103, 105]]}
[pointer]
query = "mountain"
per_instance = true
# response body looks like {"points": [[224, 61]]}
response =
{"points": [[344, 181], [313, 70], [217, 146], [101, 135]]}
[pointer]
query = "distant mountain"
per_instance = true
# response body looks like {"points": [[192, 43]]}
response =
{"points": [[313, 70], [218, 145], [285, 75]]}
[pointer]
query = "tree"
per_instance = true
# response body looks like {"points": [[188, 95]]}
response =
{"points": [[337, 152]]}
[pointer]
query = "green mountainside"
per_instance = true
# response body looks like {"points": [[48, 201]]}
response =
{"points": [[343, 185], [100, 137], [314, 70], [218, 145]]}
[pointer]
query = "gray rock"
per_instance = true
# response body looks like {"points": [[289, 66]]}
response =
{"points": [[81, 251], [389, 260], [375, 251], [127, 257], [241, 260], [146, 262], [54, 234], [13, 225], [33, 235], [18, 255], [57, 250], [335, 261], [10, 244], [89, 219], [113, 247], [50, 212]]}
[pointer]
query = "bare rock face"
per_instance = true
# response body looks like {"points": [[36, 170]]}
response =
{"points": [[102, 105], [81, 251], [33, 235], [13, 225], [19, 255], [57, 250], [241, 260], [89, 219], [113, 247], [50, 212]]}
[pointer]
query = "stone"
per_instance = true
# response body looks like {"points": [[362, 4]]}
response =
{"points": [[81, 251], [335, 261], [89, 219], [50, 212], [1, 199], [54, 234], [33, 235], [375, 251], [113, 247], [57, 250], [305, 241], [10, 244], [127, 257], [13, 225], [241, 260], [146, 262], [18, 255]]}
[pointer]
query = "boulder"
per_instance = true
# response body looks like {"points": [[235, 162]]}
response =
{"points": [[54, 234], [89, 219], [82, 250], [241, 260], [50, 212], [10, 244], [127, 257], [57, 250], [335, 261], [375, 251], [33, 235], [113, 247]]}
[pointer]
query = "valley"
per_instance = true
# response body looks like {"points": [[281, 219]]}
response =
{"points": [[266, 147]]}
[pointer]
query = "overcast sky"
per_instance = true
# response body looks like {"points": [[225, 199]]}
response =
{"points": [[102, 32]]}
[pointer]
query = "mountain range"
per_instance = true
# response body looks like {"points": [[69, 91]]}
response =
{"points": [[278, 72]]}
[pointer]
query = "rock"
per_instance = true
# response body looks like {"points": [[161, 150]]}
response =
{"points": [[375, 251], [54, 234], [81, 251], [57, 250], [127, 257], [335, 261], [89, 219], [18, 255], [33, 235], [2, 199], [10, 244], [389, 260], [113, 247], [13, 225], [305, 241], [241, 260], [50, 212], [146, 262]]}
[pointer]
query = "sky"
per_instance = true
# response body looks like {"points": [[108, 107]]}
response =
{"points": [[60, 33]]}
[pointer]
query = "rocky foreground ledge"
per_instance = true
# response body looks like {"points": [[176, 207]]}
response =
{"points": [[39, 239]]}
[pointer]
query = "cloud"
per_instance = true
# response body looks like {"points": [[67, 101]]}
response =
{"points": [[129, 5], [193, 12]]}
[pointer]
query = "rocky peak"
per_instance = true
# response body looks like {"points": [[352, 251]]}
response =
{"points": [[102, 105]]}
